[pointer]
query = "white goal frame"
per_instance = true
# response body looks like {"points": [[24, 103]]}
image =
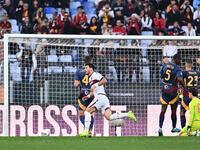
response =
{"points": [[102, 37]]}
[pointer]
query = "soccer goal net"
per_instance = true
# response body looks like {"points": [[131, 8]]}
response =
{"points": [[38, 72]]}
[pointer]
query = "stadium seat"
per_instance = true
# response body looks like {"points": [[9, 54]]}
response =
{"points": [[49, 16], [184, 27], [146, 42], [78, 41], [59, 10], [147, 33], [12, 58], [53, 66], [116, 45], [15, 72], [49, 10], [65, 58], [74, 12], [67, 10], [90, 11], [91, 0], [129, 42], [74, 5], [163, 14], [112, 74], [88, 41], [15, 29], [81, 1], [53, 52], [89, 5], [52, 58], [54, 69], [13, 21], [70, 69]]}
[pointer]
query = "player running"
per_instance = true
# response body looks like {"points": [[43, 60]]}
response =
{"points": [[100, 101], [190, 78], [171, 74], [194, 118], [82, 80]]}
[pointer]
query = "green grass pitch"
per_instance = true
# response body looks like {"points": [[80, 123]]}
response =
{"points": [[100, 143]]}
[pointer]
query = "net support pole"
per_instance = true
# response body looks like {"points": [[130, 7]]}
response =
{"points": [[46, 91], [41, 95], [11, 91], [6, 102]]}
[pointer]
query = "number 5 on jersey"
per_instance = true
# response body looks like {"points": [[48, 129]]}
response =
{"points": [[168, 74]]}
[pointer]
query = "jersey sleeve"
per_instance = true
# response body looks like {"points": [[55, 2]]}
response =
{"points": [[99, 76], [179, 72], [192, 111], [95, 79], [76, 76]]}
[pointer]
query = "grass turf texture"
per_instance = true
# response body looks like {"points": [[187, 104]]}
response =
{"points": [[99, 143]]}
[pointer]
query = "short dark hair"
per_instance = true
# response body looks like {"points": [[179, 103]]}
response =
{"points": [[177, 57], [193, 90], [88, 59], [90, 65], [189, 62], [80, 7]]}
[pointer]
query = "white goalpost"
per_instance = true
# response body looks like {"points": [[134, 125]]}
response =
{"points": [[37, 76]]}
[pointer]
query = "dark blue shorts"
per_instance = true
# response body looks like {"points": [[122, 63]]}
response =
{"points": [[82, 105], [166, 98], [185, 103]]}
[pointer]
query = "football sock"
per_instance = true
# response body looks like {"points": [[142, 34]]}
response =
{"points": [[173, 117], [87, 120], [92, 122], [161, 119], [183, 121], [117, 116], [82, 119]]}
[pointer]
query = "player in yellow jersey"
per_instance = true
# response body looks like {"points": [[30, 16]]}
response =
{"points": [[194, 118]]}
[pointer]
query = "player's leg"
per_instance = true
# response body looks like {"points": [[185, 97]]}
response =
{"points": [[88, 119], [174, 117], [105, 107], [82, 107], [164, 99], [183, 132], [161, 118], [109, 116], [182, 116], [81, 116], [184, 107]]}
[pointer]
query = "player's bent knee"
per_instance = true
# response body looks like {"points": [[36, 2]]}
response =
{"points": [[107, 114], [182, 112], [81, 113], [91, 110]]}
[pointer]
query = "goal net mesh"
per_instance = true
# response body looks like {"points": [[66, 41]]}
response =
{"points": [[41, 82]]}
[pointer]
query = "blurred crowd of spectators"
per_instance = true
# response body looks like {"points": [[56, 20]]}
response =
{"points": [[111, 17], [118, 17]]}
